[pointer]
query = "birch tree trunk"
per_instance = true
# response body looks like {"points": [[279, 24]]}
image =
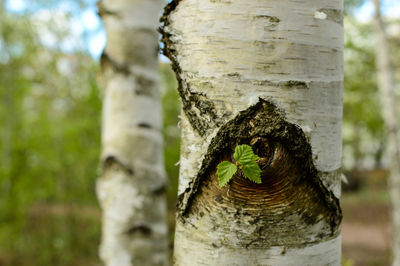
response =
{"points": [[131, 190], [387, 92], [267, 73]]}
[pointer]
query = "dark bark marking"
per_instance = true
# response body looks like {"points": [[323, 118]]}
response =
{"points": [[140, 228], [106, 61], [271, 19], [295, 84], [103, 11], [143, 85], [290, 84], [111, 162], [145, 125], [169, 8], [159, 190], [233, 75], [199, 110]]}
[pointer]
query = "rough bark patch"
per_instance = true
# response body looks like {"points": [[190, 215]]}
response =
{"points": [[290, 185], [199, 110]]}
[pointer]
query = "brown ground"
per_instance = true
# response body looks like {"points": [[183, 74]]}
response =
{"points": [[366, 229]]}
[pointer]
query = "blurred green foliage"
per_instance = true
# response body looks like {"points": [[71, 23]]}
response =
{"points": [[363, 128], [362, 122], [49, 146], [171, 132], [351, 5]]}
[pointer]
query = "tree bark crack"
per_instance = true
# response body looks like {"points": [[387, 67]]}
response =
{"points": [[290, 171]]}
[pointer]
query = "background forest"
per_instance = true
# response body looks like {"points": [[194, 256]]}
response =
{"points": [[50, 117]]}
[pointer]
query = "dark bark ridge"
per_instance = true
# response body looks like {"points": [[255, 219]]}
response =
{"points": [[103, 11], [144, 85], [199, 110], [111, 162], [290, 182]]}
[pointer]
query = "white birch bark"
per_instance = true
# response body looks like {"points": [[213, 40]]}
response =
{"points": [[131, 188], [268, 74], [386, 84]]}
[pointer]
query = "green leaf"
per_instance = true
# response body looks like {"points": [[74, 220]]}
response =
{"points": [[244, 154], [225, 171], [252, 171]]}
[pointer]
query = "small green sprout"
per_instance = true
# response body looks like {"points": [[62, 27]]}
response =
{"points": [[245, 161]]}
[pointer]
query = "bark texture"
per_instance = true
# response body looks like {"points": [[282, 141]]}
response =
{"points": [[387, 90], [131, 189], [268, 74]]}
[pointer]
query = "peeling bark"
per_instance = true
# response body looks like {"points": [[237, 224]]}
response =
{"points": [[131, 189], [270, 75]]}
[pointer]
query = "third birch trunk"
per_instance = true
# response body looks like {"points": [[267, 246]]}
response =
{"points": [[267, 73], [387, 92], [131, 189]]}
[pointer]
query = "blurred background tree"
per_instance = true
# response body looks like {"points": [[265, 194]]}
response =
{"points": [[50, 133], [366, 159], [364, 143]]}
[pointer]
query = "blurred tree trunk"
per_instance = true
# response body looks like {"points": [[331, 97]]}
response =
{"points": [[387, 90], [268, 74], [131, 190]]}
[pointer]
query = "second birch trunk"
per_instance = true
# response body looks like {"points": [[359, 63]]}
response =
{"points": [[131, 190]]}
